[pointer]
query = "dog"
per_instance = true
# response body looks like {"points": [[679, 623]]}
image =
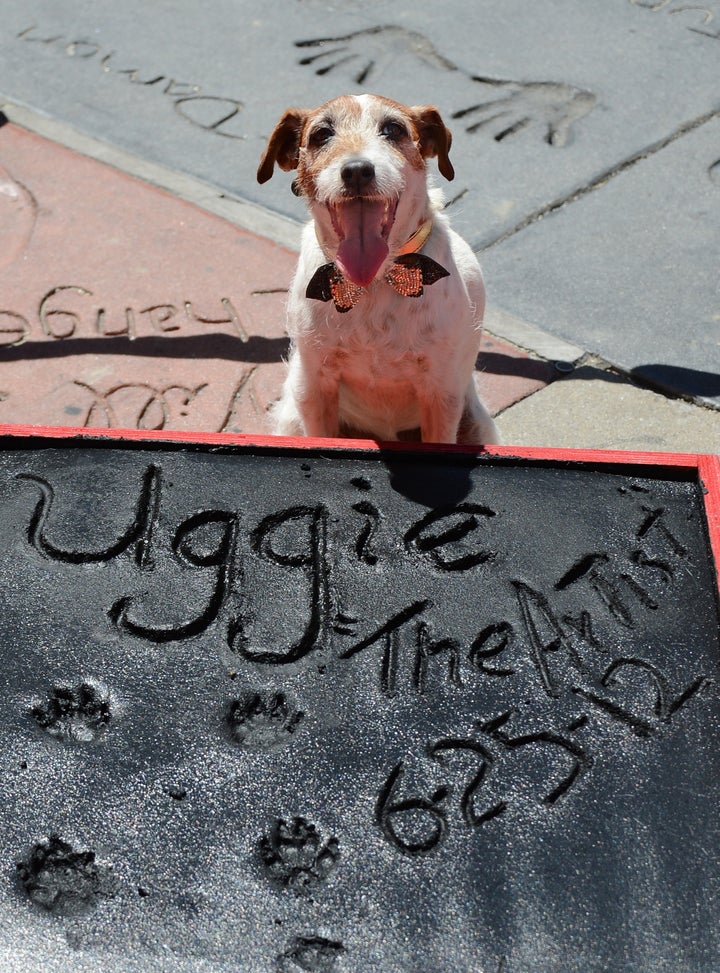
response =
{"points": [[385, 310]]}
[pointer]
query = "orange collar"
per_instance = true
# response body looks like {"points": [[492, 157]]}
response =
{"points": [[418, 240]]}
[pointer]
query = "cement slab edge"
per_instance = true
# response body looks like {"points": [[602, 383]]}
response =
{"points": [[531, 338], [250, 216]]}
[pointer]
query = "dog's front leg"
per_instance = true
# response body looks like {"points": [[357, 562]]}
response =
{"points": [[318, 408], [314, 392], [440, 413]]}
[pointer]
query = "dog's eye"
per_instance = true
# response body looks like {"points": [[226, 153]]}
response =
{"points": [[393, 131], [320, 136]]}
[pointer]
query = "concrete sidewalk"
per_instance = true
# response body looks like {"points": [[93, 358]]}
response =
{"points": [[143, 272]]}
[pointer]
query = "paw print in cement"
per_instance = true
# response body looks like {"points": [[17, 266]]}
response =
{"points": [[315, 954], [75, 714], [64, 881], [295, 855], [263, 721]]}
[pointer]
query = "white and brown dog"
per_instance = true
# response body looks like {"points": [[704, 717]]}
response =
{"points": [[385, 310]]}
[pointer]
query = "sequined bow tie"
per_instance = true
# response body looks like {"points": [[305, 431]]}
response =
{"points": [[407, 275]]}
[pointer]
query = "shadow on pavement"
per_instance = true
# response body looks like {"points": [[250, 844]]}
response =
{"points": [[257, 349], [685, 381]]}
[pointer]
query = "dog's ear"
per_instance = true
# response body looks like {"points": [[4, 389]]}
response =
{"points": [[434, 138], [283, 146]]}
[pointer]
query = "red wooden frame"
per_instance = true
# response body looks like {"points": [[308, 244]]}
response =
{"points": [[706, 466]]}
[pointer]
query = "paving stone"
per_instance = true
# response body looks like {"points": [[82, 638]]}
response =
{"points": [[126, 307], [507, 374], [596, 409], [631, 271], [122, 306]]}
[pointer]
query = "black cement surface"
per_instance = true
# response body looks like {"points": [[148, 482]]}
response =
{"points": [[293, 711]]}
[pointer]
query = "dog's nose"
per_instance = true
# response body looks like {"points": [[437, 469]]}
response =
{"points": [[357, 174]]}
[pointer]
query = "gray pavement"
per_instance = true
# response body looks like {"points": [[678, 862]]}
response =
{"points": [[586, 138], [595, 408]]}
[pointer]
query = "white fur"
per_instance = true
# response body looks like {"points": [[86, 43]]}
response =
{"points": [[391, 363]]}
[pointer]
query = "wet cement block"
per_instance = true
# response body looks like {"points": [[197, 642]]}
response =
{"points": [[293, 709]]}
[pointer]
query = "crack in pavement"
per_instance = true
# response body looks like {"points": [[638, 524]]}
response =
{"points": [[604, 177]]}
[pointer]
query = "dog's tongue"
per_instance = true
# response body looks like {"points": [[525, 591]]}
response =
{"points": [[363, 250]]}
